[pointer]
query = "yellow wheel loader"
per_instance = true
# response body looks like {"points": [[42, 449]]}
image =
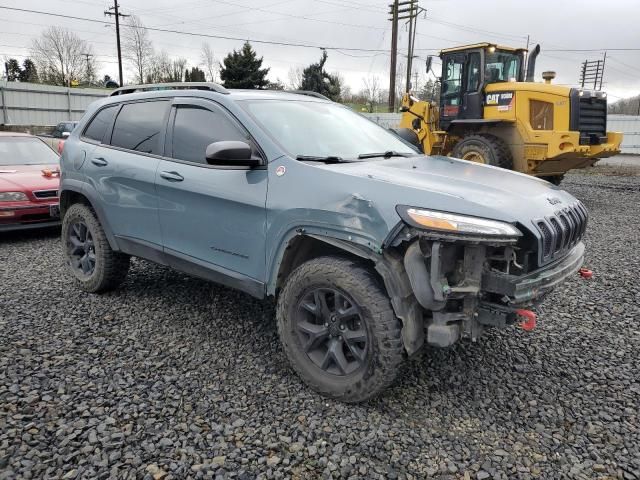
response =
{"points": [[490, 113]]}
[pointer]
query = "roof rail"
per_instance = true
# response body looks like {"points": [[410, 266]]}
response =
{"points": [[214, 87], [306, 92]]}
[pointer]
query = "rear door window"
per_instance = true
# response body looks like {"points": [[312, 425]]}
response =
{"points": [[100, 123], [139, 126], [195, 127]]}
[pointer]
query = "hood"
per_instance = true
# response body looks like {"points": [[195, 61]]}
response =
{"points": [[458, 186], [27, 178]]}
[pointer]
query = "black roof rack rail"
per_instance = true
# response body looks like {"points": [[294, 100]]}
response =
{"points": [[214, 87], [306, 92]]}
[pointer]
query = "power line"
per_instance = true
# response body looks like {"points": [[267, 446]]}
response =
{"points": [[205, 35]]}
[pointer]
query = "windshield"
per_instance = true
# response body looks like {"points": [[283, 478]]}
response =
{"points": [[25, 151], [502, 67], [318, 129]]}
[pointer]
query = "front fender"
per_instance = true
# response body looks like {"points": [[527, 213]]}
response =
{"points": [[352, 242]]}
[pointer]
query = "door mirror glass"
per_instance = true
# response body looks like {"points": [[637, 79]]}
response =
{"points": [[231, 152]]}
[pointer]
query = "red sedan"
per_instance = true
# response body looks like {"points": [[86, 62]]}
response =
{"points": [[29, 180]]}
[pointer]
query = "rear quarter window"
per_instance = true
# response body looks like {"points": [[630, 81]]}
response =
{"points": [[100, 123]]}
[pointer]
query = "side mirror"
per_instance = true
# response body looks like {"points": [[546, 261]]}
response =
{"points": [[231, 152], [429, 61], [66, 134]]}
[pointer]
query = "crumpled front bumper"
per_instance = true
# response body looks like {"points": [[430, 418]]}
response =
{"points": [[525, 289]]}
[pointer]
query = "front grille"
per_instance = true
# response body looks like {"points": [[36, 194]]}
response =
{"points": [[589, 116], [561, 232], [45, 193]]}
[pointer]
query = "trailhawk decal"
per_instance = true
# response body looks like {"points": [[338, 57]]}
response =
{"points": [[502, 100]]}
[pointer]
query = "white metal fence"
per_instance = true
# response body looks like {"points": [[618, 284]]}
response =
{"points": [[386, 120], [36, 104], [629, 125]]}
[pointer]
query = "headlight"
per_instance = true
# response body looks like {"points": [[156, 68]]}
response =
{"points": [[450, 222], [12, 196]]}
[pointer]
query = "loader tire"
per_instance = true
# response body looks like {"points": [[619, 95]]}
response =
{"points": [[484, 148]]}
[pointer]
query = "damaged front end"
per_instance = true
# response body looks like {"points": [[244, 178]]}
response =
{"points": [[451, 285]]}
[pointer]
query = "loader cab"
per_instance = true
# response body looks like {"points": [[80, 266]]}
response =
{"points": [[465, 73]]}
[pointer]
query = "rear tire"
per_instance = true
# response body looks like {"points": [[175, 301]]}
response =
{"points": [[484, 148], [348, 357], [89, 257]]}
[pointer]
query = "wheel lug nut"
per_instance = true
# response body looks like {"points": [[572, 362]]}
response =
{"points": [[326, 324], [341, 327]]}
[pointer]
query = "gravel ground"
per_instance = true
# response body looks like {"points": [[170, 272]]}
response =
{"points": [[173, 377]]}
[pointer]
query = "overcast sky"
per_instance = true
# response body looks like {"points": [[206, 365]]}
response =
{"points": [[555, 24]]}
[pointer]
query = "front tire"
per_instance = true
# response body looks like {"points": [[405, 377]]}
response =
{"points": [[338, 329], [484, 148], [89, 257], [555, 179]]}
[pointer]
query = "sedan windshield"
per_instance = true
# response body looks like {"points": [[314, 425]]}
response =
{"points": [[25, 151], [324, 130]]}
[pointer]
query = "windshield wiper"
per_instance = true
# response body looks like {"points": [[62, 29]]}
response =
{"points": [[387, 154], [317, 158]]}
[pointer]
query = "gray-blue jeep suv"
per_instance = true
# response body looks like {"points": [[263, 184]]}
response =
{"points": [[370, 249]]}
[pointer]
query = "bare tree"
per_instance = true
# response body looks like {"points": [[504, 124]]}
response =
{"points": [[163, 69], [61, 56], [295, 78], [137, 47], [178, 66], [209, 62], [371, 91]]}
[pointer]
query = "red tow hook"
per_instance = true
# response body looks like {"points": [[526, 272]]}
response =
{"points": [[585, 273], [530, 319]]}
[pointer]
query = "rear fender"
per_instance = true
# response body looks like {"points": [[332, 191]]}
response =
{"points": [[71, 186]]}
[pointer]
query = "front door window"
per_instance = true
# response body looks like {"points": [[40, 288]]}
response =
{"points": [[452, 86]]}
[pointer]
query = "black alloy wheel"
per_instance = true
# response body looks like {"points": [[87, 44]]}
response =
{"points": [[81, 249], [331, 330]]}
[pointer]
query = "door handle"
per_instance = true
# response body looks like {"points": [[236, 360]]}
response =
{"points": [[99, 162], [172, 176]]}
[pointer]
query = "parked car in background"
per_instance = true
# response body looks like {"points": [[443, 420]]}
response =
{"points": [[370, 248], [29, 180], [56, 139]]}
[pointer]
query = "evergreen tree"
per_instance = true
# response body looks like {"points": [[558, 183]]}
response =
{"points": [[241, 69], [194, 75], [29, 72], [13, 70], [316, 79]]}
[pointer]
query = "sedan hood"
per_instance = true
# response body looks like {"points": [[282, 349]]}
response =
{"points": [[460, 186], [27, 178]]}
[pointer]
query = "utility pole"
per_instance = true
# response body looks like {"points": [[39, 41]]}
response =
{"points": [[394, 55], [412, 15], [117, 15], [89, 73], [402, 10]]}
